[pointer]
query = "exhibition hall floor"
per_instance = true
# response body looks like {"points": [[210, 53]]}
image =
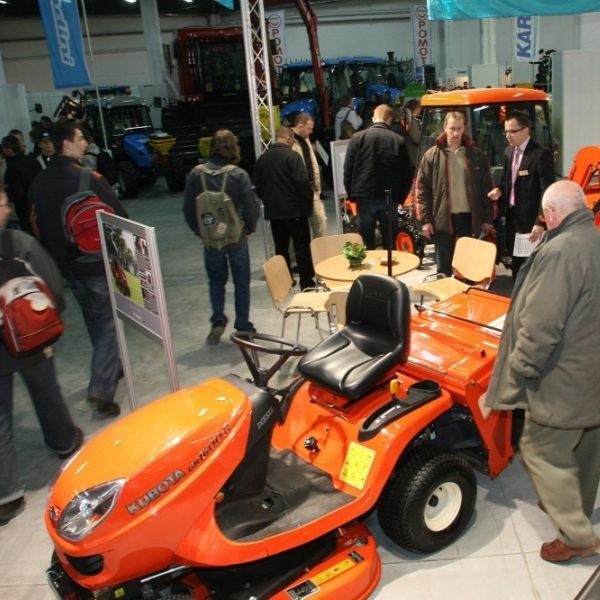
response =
{"points": [[496, 558]]}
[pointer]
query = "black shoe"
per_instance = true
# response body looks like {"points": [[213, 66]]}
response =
{"points": [[10, 510], [215, 333], [76, 445], [106, 408]]}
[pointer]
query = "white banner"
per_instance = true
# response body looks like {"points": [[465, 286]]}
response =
{"points": [[421, 34], [525, 39], [276, 25]]}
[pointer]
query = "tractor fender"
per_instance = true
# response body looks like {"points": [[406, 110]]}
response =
{"points": [[305, 105], [135, 146]]}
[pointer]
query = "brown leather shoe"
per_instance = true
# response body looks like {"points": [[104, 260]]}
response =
{"points": [[556, 551]]}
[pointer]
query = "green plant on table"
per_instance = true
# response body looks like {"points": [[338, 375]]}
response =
{"points": [[354, 252]]}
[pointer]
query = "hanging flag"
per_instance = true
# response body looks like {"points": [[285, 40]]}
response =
{"points": [[525, 42], [65, 44], [421, 38], [476, 9], [226, 3]]}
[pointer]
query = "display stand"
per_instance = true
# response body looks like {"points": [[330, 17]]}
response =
{"points": [[136, 290]]}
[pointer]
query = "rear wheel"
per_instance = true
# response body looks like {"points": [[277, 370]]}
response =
{"points": [[429, 501], [128, 180], [176, 173], [405, 242]]}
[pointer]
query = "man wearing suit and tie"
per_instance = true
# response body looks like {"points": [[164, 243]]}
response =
{"points": [[528, 171]]}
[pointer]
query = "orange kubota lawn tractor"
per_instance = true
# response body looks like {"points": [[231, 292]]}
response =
{"points": [[231, 489]]}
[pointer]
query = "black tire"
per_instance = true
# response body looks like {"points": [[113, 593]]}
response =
{"points": [[429, 501], [128, 180], [176, 174], [596, 210]]}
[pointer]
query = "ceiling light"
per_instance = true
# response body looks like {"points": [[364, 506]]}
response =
{"points": [[131, 1]]}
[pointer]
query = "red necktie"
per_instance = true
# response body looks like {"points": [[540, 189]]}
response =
{"points": [[516, 161]]}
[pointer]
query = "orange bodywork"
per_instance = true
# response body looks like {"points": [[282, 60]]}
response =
{"points": [[175, 456], [585, 171], [482, 96]]}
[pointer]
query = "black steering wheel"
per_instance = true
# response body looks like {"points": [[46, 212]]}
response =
{"points": [[252, 344]]}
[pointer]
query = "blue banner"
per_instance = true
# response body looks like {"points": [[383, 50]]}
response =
{"points": [[65, 44], [225, 3], [440, 10]]}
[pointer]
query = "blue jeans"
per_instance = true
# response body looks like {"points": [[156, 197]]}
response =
{"points": [[93, 297], [57, 426], [370, 212], [217, 263]]}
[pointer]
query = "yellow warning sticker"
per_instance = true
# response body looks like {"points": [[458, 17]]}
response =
{"points": [[332, 572], [357, 465]]}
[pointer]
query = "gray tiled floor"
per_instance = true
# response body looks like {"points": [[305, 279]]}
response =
{"points": [[497, 558]]}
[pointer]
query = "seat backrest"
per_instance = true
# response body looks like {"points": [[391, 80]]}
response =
{"points": [[375, 339], [474, 259], [336, 307], [278, 277], [378, 314], [331, 245]]}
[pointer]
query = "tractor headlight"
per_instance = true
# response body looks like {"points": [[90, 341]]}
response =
{"points": [[87, 510]]}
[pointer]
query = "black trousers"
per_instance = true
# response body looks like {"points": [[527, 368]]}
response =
{"points": [[298, 231], [462, 226]]}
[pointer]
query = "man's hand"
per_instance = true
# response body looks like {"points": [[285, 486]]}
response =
{"points": [[428, 230], [495, 194], [485, 410], [486, 228], [536, 233]]}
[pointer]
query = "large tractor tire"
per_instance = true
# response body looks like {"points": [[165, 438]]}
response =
{"points": [[128, 180], [176, 174], [429, 501]]}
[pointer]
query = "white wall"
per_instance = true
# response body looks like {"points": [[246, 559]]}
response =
{"points": [[575, 103]]}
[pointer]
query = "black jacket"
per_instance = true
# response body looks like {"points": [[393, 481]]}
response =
{"points": [[377, 160], [536, 173], [282, 183], [47, 193], [20, 172]]}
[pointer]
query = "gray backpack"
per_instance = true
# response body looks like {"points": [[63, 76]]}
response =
{"points": [[219, 223]]}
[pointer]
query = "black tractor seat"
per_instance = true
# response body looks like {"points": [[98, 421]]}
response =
{"points": [[375, 339]]}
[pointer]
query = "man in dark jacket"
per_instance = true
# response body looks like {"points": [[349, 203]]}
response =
{"points": [[453, 181], [38, 372], [282, 183], [547, 364], [88, 279], [528, 170], [377, 161], [224, 151], [21, 169]]}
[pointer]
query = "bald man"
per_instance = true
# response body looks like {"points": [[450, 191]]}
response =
{"points": [[547, 364]]}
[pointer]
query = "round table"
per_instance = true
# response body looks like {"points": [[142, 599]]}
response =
{"points": [[335, 271]]}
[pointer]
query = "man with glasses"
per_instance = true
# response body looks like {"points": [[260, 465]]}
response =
{"points": [[528, 171]]}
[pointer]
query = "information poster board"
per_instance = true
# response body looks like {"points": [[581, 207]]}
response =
{"points": [[338, 156], [135, 283]]}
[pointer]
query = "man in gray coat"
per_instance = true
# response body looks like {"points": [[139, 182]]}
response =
{"points": [[547, 364]]}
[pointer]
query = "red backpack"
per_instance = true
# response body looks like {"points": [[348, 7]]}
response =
{"points": [[29, 319], [79, 219]]}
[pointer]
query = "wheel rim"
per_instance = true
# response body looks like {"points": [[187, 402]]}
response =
{"points": [[443, 506], [404, 242]]}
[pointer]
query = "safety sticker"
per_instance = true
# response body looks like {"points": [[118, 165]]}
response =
{"points": [[357, 465]]}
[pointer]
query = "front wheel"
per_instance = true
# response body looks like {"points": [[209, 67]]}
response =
{"points": [[128, 180], [429, 501]]}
